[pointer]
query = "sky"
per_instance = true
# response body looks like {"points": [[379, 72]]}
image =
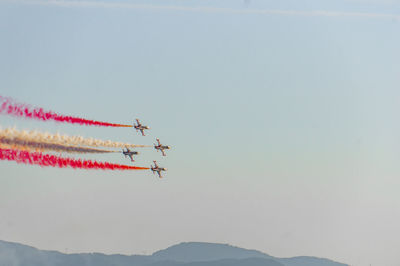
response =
{"points": [[282, 117]]}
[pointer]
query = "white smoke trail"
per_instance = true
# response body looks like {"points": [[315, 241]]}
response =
{"points": [[204, 9], [46, 137], [42, 146]]}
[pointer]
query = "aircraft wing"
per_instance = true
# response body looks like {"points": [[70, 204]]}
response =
{"points": [[163, 153], [141, 130]]}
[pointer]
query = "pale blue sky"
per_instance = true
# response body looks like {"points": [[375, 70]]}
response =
{"points": [[284, 125]]}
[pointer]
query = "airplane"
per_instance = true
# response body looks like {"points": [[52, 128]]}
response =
{"points": [[140, 127], [157, 169], [161, 147], [129, 153]]}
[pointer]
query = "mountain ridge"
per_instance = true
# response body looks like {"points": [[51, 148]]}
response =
{"points": [[182, 254], [205, 252]]}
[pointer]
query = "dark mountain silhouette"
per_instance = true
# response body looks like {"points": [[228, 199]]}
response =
{"points": [[307, 261], [184, 254], [224, 262], [198, 251], [13, 254]]}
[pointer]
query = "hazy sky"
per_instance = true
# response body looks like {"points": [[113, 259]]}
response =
{"points": [[283, 117]]}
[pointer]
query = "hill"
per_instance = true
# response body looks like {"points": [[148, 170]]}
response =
{"points": [[198, 251], [184, 254]]}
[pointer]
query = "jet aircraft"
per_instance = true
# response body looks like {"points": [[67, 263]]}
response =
{"points": [[157, 169], [130, 153], [160, 147], [140, 127]]}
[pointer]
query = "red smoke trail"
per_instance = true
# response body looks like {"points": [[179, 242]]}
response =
{"points": [[41, 159], [23, 110]]}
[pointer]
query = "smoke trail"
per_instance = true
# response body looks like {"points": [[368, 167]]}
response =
{"points": [[38, 158], [41, 146], [63, 139], [8, 106]]}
